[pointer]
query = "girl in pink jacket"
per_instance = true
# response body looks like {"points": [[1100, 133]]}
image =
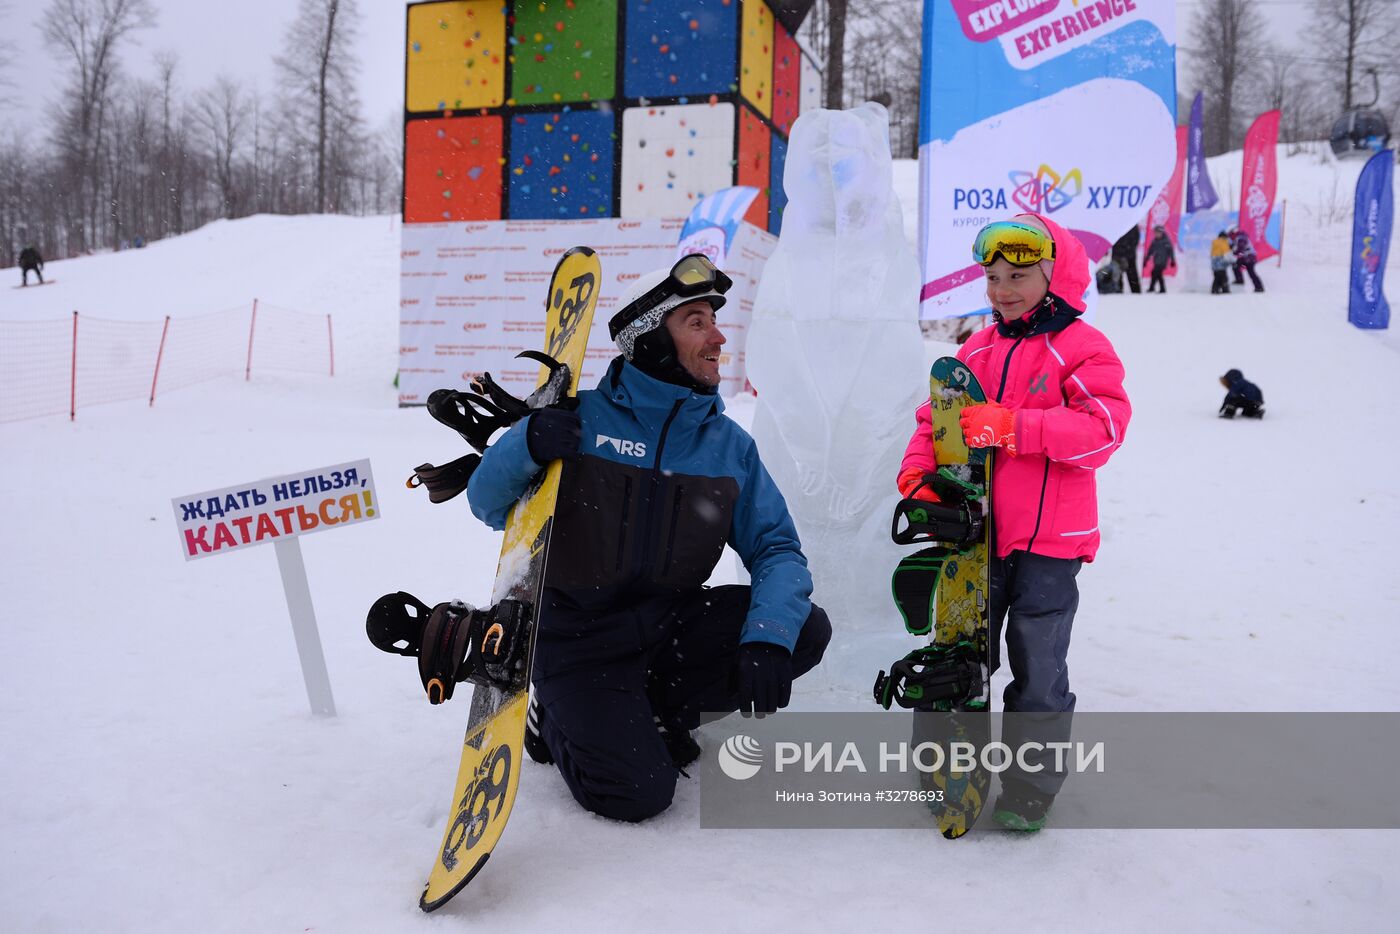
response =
{"points": [[1058, 413]]}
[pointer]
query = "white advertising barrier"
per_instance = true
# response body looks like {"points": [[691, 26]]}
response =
{"points": [[1039, 106], [280, 510], [472, 296]]}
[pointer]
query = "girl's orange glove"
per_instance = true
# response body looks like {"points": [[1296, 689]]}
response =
{"points": [[909, 480], [990, 425]]}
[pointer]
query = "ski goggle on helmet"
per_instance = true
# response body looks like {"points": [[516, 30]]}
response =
{"points": [[1019, 244], [692, 277]]}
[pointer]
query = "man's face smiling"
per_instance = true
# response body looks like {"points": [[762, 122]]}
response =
{"points": [[698, 339]]}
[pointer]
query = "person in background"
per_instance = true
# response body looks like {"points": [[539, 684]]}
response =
{"points": [[29, 259], [1220, 259], [1125, 255], [1108, 278], [1245, 258], [1160, 252], [1241, 396]]}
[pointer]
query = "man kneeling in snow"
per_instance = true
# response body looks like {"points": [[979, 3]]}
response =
{"points": [[631, 645]]}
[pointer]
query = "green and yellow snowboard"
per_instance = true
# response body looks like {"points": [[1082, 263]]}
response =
{"points": [[944, 591]]}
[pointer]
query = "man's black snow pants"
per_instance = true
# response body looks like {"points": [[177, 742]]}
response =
{"points": [[1034, 599], [1128, 262], [604, 679]]}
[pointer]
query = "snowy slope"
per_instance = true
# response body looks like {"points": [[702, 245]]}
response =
{"points": [[344, 266], [159, 769]]}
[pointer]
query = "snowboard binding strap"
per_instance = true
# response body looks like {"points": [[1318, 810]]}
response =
{"points": [[935, 677], [446, 481], [479, 414], [453, 641], [917, 522], [474, 417]]}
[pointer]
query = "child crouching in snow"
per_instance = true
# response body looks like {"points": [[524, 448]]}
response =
{"points": [[1241, 396], [1059, 412]]}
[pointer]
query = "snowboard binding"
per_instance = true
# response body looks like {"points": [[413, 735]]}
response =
{"points": [[918, 522], [479, 414], [446, 481], [935, 677], [960, 484], [955, 520], [453, 641]]}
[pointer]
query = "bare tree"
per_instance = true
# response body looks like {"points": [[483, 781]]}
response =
{"points": [[169, 213], [836, 54], [7, 58], [221, 112], [1349, 32], [869, 52], [16, 175], [130, 160], [883, 59], [1230, 42], [257, 168], [316, 70], [133, 159], [90, 33], [386, 164]]}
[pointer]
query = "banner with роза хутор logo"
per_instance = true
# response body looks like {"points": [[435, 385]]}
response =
{"points": [[1026, 107]]}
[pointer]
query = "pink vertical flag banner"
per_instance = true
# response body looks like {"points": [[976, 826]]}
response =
{"points": [[1260, 181], [1166, 210]]}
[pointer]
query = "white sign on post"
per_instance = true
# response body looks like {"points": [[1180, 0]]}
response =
{"points": [[279, 510]]}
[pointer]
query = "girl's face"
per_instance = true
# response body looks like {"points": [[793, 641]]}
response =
{"points": [[1014, 290]]}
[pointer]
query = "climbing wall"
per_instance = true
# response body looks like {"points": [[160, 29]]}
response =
{"points": [[567, 109]]}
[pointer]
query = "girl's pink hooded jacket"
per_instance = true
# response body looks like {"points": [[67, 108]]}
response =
{"points": [[1064, 381]]}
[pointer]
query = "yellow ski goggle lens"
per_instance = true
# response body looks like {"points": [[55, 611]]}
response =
{"points": [[694, 270], [1018, 244]]}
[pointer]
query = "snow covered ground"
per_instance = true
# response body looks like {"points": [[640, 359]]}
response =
{"points": [[160, 771]]}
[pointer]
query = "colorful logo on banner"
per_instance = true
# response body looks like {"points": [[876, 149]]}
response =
{"points": [[1002, 76], [1045, 192], [1200, 193], [1370, 242], [1259, 181]]}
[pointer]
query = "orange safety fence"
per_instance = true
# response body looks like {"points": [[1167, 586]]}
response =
{"points": [[59, 366]]}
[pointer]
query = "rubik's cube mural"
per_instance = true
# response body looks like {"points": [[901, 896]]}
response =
{"points": [[570, 109]]}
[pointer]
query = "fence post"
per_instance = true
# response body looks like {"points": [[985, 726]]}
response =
{"points": [[248, 371], [73, 374], [331, 337], [159, 353]]}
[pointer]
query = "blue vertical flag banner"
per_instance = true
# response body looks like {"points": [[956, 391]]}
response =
{"points": [[1370, 242], [1200, 193], [1039, 106]]}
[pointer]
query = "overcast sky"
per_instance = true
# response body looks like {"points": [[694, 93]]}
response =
{"points": [[212, 37]]}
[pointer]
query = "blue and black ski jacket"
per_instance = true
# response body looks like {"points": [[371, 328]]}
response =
{"points": [[664, 481]]}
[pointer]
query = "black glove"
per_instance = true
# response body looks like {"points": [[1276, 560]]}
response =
{"points": [[553, 434], [765, 678]]}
